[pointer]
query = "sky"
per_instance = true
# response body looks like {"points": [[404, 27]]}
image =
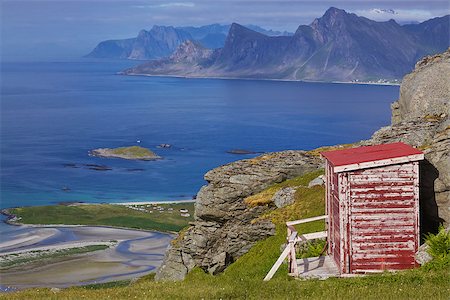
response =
{"points": [[68, 29]]}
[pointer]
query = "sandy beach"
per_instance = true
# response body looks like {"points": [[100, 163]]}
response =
{"points": [[154, 202], [131, 254]]}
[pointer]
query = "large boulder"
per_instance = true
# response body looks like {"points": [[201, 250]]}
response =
{"points": [[225, 227], [425, 92], [421, 118], [284, 197]]}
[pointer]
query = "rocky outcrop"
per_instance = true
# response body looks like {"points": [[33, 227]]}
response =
{"points": [[284, 197], [187, 58], [225, 228], [421, 118], [422, 256], [320, 180], [424, 92]]}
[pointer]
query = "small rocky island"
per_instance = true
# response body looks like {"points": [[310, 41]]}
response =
{"points": [[133, 152], [242, 151]]}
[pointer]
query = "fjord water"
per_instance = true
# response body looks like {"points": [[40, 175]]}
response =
{"points": [[52, 114]]}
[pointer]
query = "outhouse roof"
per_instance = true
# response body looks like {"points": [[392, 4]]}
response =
{"points": [[372, 156]]}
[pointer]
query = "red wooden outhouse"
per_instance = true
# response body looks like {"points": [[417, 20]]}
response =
{"points": [[372, 200]]}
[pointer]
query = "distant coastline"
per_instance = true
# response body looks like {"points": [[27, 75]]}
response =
{"points": [[261, 79]]}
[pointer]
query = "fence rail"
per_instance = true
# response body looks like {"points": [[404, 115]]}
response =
{"points": [[294, 238]]}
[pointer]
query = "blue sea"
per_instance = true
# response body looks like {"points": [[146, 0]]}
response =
{"points": [[52, 114]]}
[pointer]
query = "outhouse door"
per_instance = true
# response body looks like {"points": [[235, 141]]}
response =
{"points": [[338, 229]]}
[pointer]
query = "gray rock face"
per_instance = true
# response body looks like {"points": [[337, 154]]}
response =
{"points": [[438, 154], [425, 92], [422, 256], [284, 197], [320, 180], [421, 118], [225, 227], [416, 133], [188, 56]]}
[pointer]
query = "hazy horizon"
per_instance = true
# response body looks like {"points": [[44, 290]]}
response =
{"points": [[55, 30]]}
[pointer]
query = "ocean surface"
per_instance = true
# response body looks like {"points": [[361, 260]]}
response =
{"points": [[52, 114]]}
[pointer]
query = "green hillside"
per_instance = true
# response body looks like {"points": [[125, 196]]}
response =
{"points": [[244, 278]]}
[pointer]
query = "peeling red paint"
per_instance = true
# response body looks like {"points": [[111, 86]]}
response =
{"points": [[373, 209]]}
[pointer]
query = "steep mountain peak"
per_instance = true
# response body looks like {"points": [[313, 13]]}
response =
{"points": [[157, 28], [333, 23], [337, 46], [333, 12], [190, 52], [236, 28], [241, 32], [162, 30], [142, 33], [331, 17]]}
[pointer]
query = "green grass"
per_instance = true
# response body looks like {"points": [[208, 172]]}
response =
{"points": [[244, 278], [133, 151], [108, 215], [112, 284], [14, 260], [439, 244], [265, 197]]}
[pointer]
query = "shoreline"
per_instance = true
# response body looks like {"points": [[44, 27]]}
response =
{"points": [[151, 202], [122, 260], [14, 220], [5, 211], [260, 79]]}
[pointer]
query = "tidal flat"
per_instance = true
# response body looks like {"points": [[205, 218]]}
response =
{"points": [[79, 244], [128, 254]]}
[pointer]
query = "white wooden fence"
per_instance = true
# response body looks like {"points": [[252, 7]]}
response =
{"points": [[292, 239]]}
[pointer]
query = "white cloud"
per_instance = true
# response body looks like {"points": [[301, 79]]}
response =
{"points": [[400, 15]]}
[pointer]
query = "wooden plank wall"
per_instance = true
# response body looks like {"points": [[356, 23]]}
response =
{"points": [[384, 225], [334, 222]]}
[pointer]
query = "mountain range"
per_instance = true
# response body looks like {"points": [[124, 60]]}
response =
{"points": [[161, 41], [339, 46]]}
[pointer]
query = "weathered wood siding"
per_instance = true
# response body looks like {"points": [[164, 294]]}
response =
{"points": [[333, 211], [383, 218]]}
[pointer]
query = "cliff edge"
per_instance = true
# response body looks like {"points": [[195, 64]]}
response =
{"points": [[225, 227], [421, 118]]}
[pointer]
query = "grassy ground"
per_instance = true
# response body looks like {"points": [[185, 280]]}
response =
{"points": [[136, 216], [133, 151], [243, 279]]}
